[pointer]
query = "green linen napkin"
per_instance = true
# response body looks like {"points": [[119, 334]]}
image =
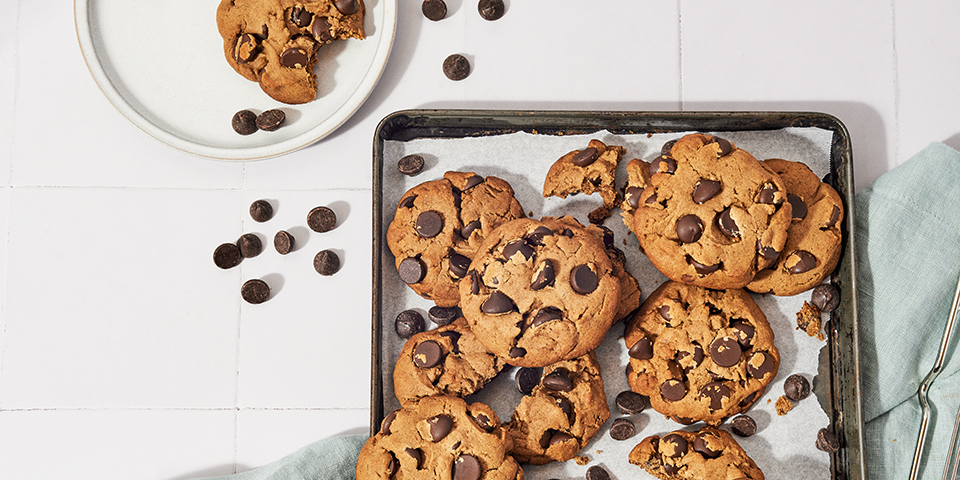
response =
{"points": [[333, 458]]}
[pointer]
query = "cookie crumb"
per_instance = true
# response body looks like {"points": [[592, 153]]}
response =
{"points": [[581, 460], [821, 336], [808, 319], [783, 405]]}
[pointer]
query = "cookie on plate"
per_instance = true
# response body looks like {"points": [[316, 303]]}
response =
{"points": [[700, 354], [276, 43], [813, 240], [540, 291], [562, 414], [446, 361], [711, 215], [587, 171], [439, 437], [439, 225], [707, 454]]}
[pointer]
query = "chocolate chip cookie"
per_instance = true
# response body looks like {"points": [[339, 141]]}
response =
{"points": [[276, 43], [446, 361], [587, 171], [707, 454], [439, 437], [439, 225], [813, 239], [562, 414], [711, 214], [699, 354], [540, 291]]}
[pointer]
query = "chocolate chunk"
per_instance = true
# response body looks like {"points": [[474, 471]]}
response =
{"points": [[558, 380], [458, 264], [387, 421], [583, 280], [261, 211], [466, 467], [410, 165], [497, 304], [482, 421], [474, 282], [545, 277], [727, 225], [326, 262], [322, 30], [473, 182], [300, 17], [454, 338], [434, 9], [321, 219], [768, 253], [641, 349], [834, 216], [689, 228], [701, 268], [428, 354], [517, 246], [294, 57], [347, 7], [250, 245], [440, 427], [417, 456], [632, 196], [227, 256], [670, 469], [744, 332], [283, 242], [527, 378], [663, 164], [469, 228], [622, 429], [244, 122], [673, 390], [827, 441], [801, 262], [491, 9], [246, 48], [271, 120], [702, 445], [597, 472], [759, 364], [558, 437], [704, 190], [767, 194], [630, 402], [255, 291], [567, 233], [407, 202], [585, 157], [743, 426], [673, 445], [695, 358], [825, 297], [456, 67], [796, 387], [545, 315], [411, 270], [725, 351], [537, 235], [409, 323], [799, 208], [725, 146], [716, 392]]}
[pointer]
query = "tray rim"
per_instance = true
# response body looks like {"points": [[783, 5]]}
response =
{"points": [[843, 347]]}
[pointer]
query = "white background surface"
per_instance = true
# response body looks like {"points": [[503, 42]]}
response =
{"points": [[125, 354]]}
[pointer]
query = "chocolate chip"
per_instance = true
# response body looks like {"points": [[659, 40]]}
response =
{"points": [[663, 164], [393, 466], [517, 246], [701, 268], [566, 407], [526, 379], [767, 253], [804, 262], [696, 358], [673, 390], [716, 392], [473, 182], [825, 297], [411, 270], [482, 421], [583, 280], [558, 437], [469, 228], [246, 48], [407, 202], [283, 242], [326, 262], [630, 402], [585, 157], [665, 149], [497, 304], [474, 282], [347, 7], [321, 219], [250, 245], [834, 216], [744, 332], [417, 456], [537, 235], [767, 194], [743, 426], [491, 9], [642, 349], [261, 211], [597, 472], [409, 323], [827, 441], [632, 196], [410, 165], [429, 224], [300, 17], [622, 429], [294, 57], [428, 354], [725, 146], [704, 190], [799, 208], [673, 445], [321, 29], [440, 427], [244, 122], [796, 387], [456, 67], [558, 380], [434, 9], [545, 315], [458, 264], [271, 120], [545, 277], [689, 228], [387, 422], [227, 256], [255, 291], [701, 445], [727, 225], [664, 312], [466, 467], [759, 364], [725, 351]]}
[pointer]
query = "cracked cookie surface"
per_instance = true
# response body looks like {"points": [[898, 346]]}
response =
{"points": [[587, 171], [707, 454]]}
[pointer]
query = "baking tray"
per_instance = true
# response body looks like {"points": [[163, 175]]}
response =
{"points": [[839, 361]]}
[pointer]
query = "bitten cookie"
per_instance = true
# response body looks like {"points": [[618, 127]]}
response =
{"points": [[439, 437], [707, 454], [562, 414], [446, 361], [711, 214], [439, 225], [587, 171], [276, 43], [699, 354], [540, 291], [813, 239]]}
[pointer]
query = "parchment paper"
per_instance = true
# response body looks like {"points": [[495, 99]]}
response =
{"points": [[784, 446]]}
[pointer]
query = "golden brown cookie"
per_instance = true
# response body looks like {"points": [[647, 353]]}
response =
{"points": [[629, 287], [587, 171], [813, 240], [562, 414], [699, 354], [707, 454], [711, 214], [439, 225], [439, 437], [275, 43], [540, 291], [446, 361]]}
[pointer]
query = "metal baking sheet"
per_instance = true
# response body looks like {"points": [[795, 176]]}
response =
{"points": [[837, 382]]}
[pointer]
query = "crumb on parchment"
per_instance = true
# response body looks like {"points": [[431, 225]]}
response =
{"points": [[808, 319], [581, 460], [783, 405]]}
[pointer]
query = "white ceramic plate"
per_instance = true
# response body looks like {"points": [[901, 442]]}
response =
{"points": [[161, 64]]}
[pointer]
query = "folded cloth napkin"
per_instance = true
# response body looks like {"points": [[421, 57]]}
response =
{"points": [[908, 262]]}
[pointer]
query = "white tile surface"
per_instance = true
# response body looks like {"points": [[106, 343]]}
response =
{"points": [[4, 209], [8, 79], [266, 435]]}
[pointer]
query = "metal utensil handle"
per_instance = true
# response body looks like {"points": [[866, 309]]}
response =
{"points": [[953, 453]]}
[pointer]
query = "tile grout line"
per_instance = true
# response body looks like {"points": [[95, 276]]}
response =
{"points": [[680, 47], [178, 409], [236, 390], [896, 82]]}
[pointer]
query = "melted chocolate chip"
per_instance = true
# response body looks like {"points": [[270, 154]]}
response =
{"points": [[632, 196], [704, 190], [467, 467], [716, 392], [440, 427], [428, 354], [469, 228], [725, 351], [641, 349], [429, 224], [583, 280], [545, 277], [673, 390], [473, 181], [387, 421], [537, 235], [804, 262], [407, 202], [663, 164], [458, 265], [744, 332], [725, 146], [727, 225], [247, 47], [558, 380], [701, 268], [834, 216], [767, 194], [294, 57], [347, 7], [300, 17], [526, 379], [497, 304], [321, 30], [760, 364], [411, 270], [417, 456], [585, 157], [545, 315], [702, 445], [673, 446], [689, 228], [517, 246]]}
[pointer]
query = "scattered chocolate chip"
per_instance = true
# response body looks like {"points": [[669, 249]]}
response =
{"points": [[321, 219], [834, 216], [469, 228], [347, 7], [622, 429], [767, 194], [796, 387], [689, 228], [630, 402], [244, 122], [716, 392], [409, 323], [434, 10], [428, 354], [827, 441], [410, 165], [673, 390], [673, 445], [585, 157], [261, 211], [497, 304], [255, 291], [597, 472], [429, 224], [227, 256], [440, 427], [545, 315], [642, 349], [725, 351], [300, 17], [250, 245], [326, 262], [545, 277], [704, 190], [456, 67], [663, 164], [526, 379], [491, 9], [743, 426], [517, 246], [701, 445], [458, 264], [825, 297], [727, 225], [271, 120], [558, 380], [583, 280], [801, 262], [466, 467], [283, 242], [321, 29], [632, 196]]}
